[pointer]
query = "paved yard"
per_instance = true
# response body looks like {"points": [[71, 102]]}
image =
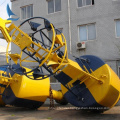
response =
{"points": [[59, 113]]}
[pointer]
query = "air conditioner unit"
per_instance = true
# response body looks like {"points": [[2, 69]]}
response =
{"points": [[80, 45]]}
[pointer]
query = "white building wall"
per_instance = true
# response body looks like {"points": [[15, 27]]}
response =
{"points": [[103, 13]]}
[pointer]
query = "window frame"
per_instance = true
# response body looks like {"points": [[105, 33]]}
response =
{"points": [[118, 71], [54, 7], [26, 11], [116, 28], [87, 32], [86, 5]]}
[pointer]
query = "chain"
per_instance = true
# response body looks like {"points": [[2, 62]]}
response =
{"points": [[52, 106]]}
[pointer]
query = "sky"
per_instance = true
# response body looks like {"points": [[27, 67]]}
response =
{"points": [[3, 15]]}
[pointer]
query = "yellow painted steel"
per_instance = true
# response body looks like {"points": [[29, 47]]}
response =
{"points": [[50, 51], [105, 89], [15, 57], [108, 93], [23, 87], [1, 101], [58, 39], [78, 74], [3, 81], [3, 29], [7, 52], [57, 95], [37, 90], [102, 83], [23, 41]]}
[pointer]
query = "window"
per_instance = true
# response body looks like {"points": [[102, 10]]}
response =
{"points": [[87, 32], [54, 6], [82, 3], [117, 28], [26, 12], [119, 71], [12, 0]]}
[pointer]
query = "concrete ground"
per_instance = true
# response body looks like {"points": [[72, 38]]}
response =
{"points": [[59, 113]]}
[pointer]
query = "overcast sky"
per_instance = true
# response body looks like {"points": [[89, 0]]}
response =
{"points": [[3, 15]]}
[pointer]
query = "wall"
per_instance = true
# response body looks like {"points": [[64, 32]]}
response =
{"points": [[103, 13]]}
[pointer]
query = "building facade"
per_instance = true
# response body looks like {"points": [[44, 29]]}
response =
{"points": [[90, 26], [3, 55]]}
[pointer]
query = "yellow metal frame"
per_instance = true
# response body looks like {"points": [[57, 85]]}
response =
{"points": [[48, 53], [94, 80]]}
